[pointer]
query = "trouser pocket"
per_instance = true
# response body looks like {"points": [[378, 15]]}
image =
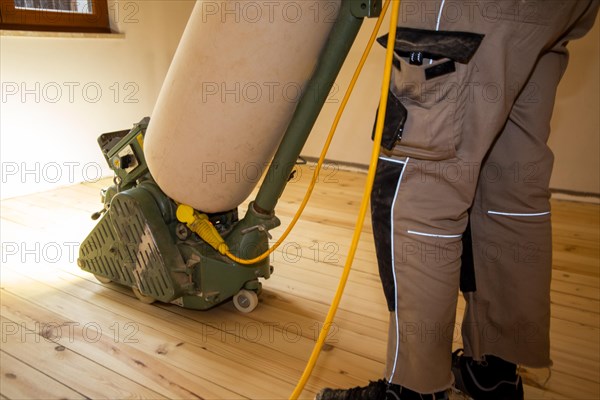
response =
{"points": [[428, 80], [395, 119]]}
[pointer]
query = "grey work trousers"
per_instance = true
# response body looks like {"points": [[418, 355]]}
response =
{"points": [[473, 151]]}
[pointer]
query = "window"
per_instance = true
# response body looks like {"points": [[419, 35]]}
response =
{"points": [[55, 15]]}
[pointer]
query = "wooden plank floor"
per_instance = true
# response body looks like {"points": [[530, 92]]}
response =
{"points": [[64, 335]]}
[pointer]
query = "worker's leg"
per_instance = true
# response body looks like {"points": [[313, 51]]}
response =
{"points": [[507, 271], [507, 320], [509, 313], [508, 309]]}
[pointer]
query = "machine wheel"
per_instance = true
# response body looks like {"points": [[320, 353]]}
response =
{"points": [[245, 301], [142, 297], [102, 279]]}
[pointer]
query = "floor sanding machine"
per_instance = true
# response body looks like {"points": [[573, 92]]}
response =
{"points": [[244, 87]]}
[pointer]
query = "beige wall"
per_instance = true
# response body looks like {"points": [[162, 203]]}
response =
{"points": [[60, 94], [352, 142], [52, 137], [575, 137]]}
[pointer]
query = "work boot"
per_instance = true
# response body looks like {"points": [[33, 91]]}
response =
{"points": [[491, 379], [380, 390]]}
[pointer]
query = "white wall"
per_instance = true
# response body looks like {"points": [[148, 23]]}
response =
{"points": [[60, 94]]}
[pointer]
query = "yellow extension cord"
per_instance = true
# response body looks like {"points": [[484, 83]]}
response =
{"points": [[365, 200], [199, 223]]}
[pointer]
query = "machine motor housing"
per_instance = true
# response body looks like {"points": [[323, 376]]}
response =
{"points": [[138, 241]]}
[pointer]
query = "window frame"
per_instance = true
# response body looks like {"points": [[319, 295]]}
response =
{"points": [[13, 18]]}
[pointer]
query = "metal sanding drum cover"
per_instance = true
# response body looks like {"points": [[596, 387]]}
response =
{"points": [[230, 94]]}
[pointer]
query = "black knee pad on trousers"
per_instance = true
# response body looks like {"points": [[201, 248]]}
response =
{"points": [[389, 172]]}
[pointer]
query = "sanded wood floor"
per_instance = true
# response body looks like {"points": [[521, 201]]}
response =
{"points": [[66, 336]]}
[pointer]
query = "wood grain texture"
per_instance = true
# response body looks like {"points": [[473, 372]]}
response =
{"points": [[65, 335]]}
